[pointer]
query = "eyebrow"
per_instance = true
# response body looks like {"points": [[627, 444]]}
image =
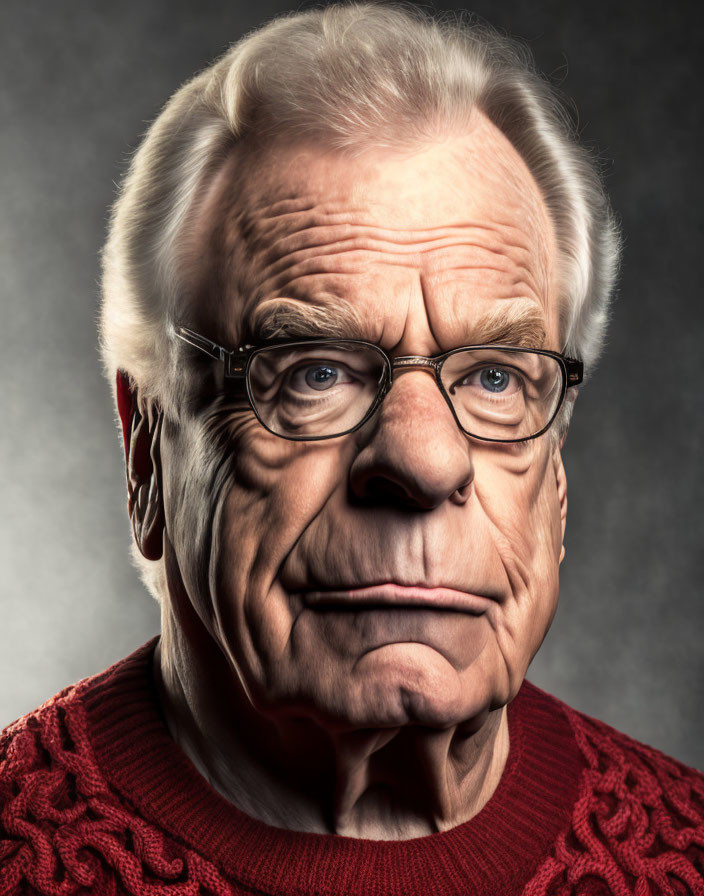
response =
{"points": [[289, 319], [524, 328]]}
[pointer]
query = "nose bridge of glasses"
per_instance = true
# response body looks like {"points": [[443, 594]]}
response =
{"points": [[417, 362], [432, 366], [414, 362]]}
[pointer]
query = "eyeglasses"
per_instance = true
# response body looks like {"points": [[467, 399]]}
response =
{"points": [[316, 389]]}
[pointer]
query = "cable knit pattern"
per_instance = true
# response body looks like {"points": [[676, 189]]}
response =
{"points": [[633, 822], [64, 833], [637, 826]]}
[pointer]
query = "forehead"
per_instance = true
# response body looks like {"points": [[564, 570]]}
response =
{"points": [[456, 226]]}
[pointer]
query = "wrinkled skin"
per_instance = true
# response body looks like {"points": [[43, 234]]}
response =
{"points": [[314, 718]]}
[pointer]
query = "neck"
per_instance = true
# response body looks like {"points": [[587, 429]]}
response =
{"points": [[293, 773]]}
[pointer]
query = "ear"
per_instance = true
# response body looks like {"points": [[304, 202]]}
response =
{"points": [[560, 476], [570, 400], [561, 480], [143, 467]]}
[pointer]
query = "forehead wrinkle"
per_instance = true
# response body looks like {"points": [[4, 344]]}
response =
{"points": [[354, 253], [319, 223], [521, 284], [509, 280], [281, 213], [276, 226], [279, 257], [381, 239]]}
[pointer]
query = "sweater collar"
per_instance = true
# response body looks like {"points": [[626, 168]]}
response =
{"points": [[496, 851]]}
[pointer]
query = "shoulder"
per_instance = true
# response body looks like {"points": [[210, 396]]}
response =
{"points": [[50, 791], [601, 743], [63, 827], [39, 754], [637, 824], [36, 742]]}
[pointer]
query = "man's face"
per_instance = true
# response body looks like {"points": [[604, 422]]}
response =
{"points": [[458, 540]]}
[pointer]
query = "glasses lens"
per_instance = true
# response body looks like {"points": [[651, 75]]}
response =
{"points": [[503, 394], [314, 389]]}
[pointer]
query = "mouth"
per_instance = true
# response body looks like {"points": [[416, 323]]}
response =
{"points": [[391, 595]]}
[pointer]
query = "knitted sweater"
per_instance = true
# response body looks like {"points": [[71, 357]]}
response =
{"points": [[98, 799]]}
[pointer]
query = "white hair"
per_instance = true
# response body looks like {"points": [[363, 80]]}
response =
{"points": [[355, 76]]}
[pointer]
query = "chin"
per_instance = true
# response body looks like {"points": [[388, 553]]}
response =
{"points": [[412, 684]]}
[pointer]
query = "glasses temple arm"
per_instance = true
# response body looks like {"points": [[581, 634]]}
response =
{"points": [[575, 372], [234, 363]]}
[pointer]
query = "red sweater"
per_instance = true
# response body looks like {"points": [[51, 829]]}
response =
{"points": [[98, 799]]}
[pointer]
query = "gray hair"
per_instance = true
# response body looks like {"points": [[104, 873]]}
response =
{"points": [[355, 76]]}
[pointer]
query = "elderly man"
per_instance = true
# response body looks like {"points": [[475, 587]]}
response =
{"points": [[352, 281]]}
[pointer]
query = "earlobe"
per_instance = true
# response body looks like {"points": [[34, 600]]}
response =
{"points": [[142, 436]]}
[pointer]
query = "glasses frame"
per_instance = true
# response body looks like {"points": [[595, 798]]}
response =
{"points": [[237, 364]]}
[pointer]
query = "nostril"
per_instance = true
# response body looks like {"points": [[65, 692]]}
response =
{"points": [[388, 491], [379, 489], [461, 495]]}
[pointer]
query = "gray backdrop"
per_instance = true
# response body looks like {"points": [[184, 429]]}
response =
{"points": [[80, 82]]}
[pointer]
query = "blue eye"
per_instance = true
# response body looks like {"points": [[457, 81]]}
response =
{"points": [[321, 377], [494, 379]]}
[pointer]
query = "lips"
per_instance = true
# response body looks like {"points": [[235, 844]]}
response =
{"points": [[391, 594]]}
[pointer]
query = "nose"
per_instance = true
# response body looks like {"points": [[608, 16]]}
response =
{"points": [[413, 452]]}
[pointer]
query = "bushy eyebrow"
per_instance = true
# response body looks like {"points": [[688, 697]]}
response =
{"points": [[524, 328], [289, 319]]}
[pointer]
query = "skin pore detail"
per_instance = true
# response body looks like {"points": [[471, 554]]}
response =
{"points": [[306, 703]]}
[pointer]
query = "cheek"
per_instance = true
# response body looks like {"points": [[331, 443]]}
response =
{"points": [[193, 482], [517, 489], [518, 493], [275, 490]]}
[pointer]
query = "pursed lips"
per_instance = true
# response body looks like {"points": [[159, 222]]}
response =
{"points": [[391, 594]]}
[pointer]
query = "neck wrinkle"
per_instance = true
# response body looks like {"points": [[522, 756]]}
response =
{"points": [[418, 782], [380, 785]]}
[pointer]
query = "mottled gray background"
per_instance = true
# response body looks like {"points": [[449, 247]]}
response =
{"points": [[81, 80]]}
